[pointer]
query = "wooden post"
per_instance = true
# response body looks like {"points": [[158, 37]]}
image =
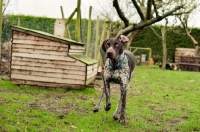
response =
{"points": [[1, 15], [89, 32], [18, 22], [70, 17], [78, 22], [103, 37], [96, 50], [67, 33]]}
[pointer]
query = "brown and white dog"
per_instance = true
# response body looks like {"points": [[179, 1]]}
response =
{"points": [[118, 68]]}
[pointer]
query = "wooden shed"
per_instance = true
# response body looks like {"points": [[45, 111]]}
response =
{"points": [[42, 59], [186, 60]]}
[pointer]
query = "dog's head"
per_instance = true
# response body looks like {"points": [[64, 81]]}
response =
{"points": [[114, 47]]}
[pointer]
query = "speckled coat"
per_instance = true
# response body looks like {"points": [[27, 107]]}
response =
{"points": [[118, 68]]}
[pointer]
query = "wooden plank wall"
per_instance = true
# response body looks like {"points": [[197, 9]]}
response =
{"points": [[76, 50], [182, 51], [41, 62], [91, 73]]}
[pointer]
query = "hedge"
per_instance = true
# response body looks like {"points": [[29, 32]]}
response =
{"points": [[176, 38]]}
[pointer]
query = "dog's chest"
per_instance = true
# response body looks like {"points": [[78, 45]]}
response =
{"points": [[118, 76]]}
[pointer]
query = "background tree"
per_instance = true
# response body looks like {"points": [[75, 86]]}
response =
{"points": [[183, 15], [149, 12], [135, 15], [164, 42]]}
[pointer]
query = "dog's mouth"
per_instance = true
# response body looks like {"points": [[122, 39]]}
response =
{"points": [[109, 55]]}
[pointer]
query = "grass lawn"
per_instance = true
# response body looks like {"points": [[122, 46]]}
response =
{"points": [[157, 100]]}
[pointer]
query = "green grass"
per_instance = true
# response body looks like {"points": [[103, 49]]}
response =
{"points": [[157, 100]]}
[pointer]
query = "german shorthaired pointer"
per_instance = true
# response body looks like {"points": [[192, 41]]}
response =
{"points": [[118, 69]]}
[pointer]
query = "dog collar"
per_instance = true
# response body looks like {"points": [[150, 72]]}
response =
{"points": [[118, 66]]}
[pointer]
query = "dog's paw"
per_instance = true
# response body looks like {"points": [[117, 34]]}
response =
{"points": [[122, 121], [115, 117], [107, 107], [95, 109]]}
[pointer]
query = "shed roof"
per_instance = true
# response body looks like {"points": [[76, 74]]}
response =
{"points": [[45, 35], [84, 59]]}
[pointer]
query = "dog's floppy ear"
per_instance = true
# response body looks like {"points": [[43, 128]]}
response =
{"points": [[123, 38], [103, 45]]}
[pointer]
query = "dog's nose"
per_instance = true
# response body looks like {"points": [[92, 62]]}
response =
{"points": [[109, 54]]}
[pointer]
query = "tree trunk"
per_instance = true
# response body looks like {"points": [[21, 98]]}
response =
{"points": [[164, 58]]}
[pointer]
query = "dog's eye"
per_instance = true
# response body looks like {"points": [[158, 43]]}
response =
{"points": [[116, 45], [107, 45]]}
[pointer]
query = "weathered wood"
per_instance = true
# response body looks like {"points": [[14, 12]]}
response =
{"points": [[96, 49], [89, 33], [59, 27], [39, 51], [22, 36], [43, 60], [76, 47], [38, 42], [47, 79], [91, 67], [47, 65], [76, 63], [42, 47], [90, 80], [94, 73], [76, 51], [47, 84], [48, 74], [44, 69], [45, 35], [41, 56], [78, 29], [91, 71]]}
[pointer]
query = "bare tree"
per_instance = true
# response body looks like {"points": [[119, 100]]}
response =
{"points": [[5, 5], [183, 15], [149, 12], [139, 14]]}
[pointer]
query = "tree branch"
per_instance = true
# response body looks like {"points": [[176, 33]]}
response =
{"points": [[148, 14], [120, 13], [143, 24], [138, 10], [155, 32], [155, 8]]}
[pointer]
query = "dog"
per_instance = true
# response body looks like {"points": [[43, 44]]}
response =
{"points": [[119, 67]]}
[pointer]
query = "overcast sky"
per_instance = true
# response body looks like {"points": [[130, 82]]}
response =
{"points": [[51, 8]]}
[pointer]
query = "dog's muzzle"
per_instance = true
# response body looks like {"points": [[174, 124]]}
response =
{"points": [[110, 53]]}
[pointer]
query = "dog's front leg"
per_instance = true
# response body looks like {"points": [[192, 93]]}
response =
{"points": [[107, 93], [123, 104], [97, 107]]}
